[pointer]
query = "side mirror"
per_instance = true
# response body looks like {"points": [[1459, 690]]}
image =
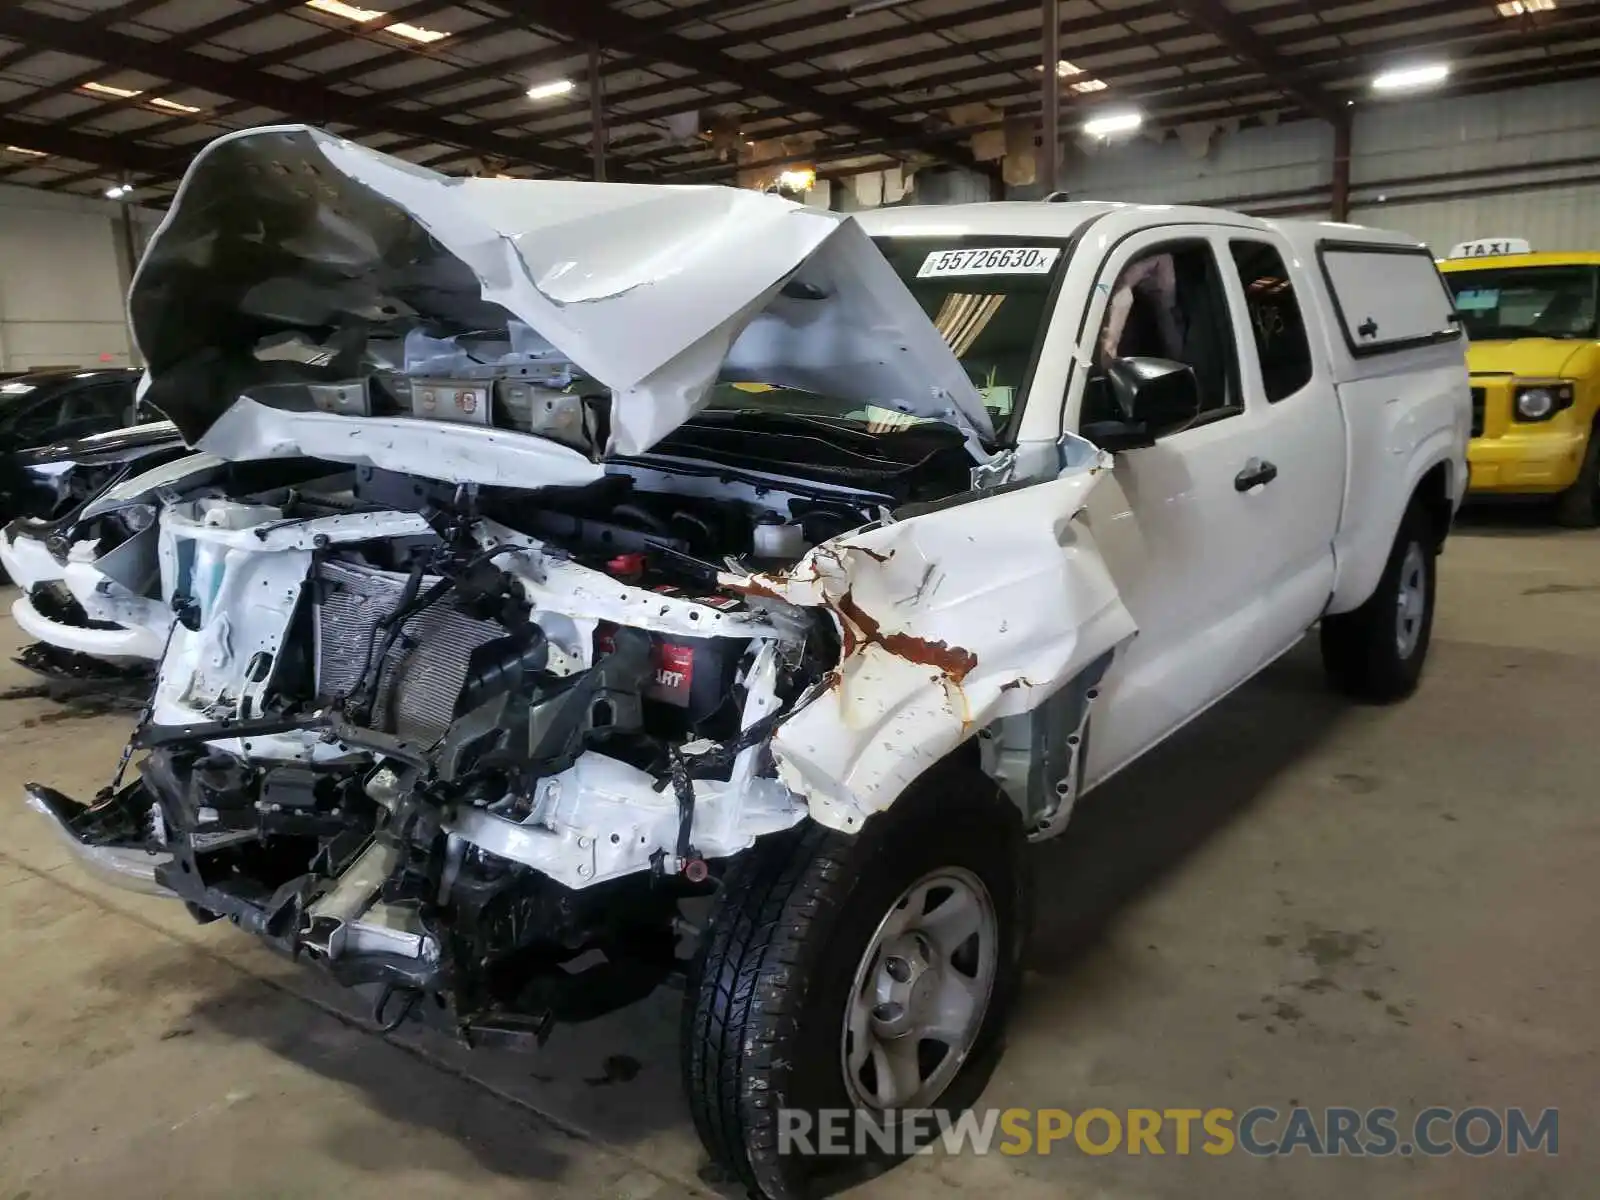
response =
{"points": [[1149, 397]]}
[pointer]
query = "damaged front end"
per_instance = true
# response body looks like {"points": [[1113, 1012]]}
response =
{"points": [[483, 639], [429, 751]]}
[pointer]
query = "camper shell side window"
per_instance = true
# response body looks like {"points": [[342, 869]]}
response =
{"points": [[1386, 297]]}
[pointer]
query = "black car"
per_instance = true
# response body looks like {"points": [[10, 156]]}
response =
{"points": [[45, 465]]}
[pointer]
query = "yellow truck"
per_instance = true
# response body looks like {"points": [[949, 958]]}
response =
{"points": [[1535, 364]]}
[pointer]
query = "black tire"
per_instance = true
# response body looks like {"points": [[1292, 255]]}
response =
{"points": [[1579, 506], [1361, 650], [764, 1012]]}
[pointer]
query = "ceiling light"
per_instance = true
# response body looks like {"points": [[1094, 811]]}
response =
{"points": [[105, 89], [1406, 78], [171, 105], [415, 33], [365, 16], [1516, 8], [337, 8], [801, 179], [24, 151], [1081, 83], [1124, 122], [556, 87], [119, 192]]}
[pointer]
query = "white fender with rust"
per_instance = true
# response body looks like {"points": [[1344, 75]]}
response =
{"points": [[950, 620]]}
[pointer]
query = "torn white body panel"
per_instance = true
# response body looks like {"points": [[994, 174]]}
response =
{"points": [[180, 475], [654, 292], [951, 621], [140, 632], [454, 453]]}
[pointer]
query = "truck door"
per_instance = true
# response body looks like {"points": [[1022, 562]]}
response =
{"points": [[1197, 531], [1293, 408]]}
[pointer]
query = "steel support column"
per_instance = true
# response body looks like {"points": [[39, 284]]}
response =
{"points": [[1341, 169], [1050, 94], [597, 114]]}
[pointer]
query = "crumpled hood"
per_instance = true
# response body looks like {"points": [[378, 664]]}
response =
{"points": [[654, 292], [1530, 358]]}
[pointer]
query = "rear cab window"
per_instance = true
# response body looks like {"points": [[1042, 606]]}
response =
{"points": [[1387, 298], [1276, 321]]}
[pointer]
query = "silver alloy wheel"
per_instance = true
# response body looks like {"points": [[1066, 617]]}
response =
{"points": [[920, 992], [1411, 604]]}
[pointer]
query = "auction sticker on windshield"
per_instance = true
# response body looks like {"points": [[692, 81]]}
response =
{"points": [[995, 260]]}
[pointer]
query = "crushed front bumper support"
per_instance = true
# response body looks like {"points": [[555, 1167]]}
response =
{"points": [[122, 865]]}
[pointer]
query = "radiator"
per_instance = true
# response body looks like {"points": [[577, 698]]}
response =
{"points": [[423, 674]]}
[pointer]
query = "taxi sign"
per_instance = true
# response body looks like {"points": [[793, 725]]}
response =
{"points": [[1487, 247]]}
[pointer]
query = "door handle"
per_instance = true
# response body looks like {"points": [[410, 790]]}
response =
{"points": [[1257, 473]]}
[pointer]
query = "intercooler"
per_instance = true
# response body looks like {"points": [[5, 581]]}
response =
{"points": [[423, 673]]}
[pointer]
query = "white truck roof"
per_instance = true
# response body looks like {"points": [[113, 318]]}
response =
{"points": [[1062, 219], [1374, 293]]}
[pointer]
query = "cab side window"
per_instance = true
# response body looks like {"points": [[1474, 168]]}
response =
{"points": [[1275, 319], [1169, 303]]}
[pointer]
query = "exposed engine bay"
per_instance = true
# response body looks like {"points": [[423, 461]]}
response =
{"points": [[432, 736]]}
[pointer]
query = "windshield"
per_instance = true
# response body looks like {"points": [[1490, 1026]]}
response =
{"points": [[988, 297], [1526, 302]]}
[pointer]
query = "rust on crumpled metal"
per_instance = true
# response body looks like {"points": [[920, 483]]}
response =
{"points": [[862, 630]]}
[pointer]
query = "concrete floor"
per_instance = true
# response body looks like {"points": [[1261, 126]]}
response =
{"points": [[1295, 901]]}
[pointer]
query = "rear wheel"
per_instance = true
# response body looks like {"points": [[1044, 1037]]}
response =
{"points": [[1579, 506], [871, 974], [1377, 651]]}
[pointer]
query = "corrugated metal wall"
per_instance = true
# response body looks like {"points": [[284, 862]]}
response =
{"points": [[62, 282], [1503, 158], [1276, 160], [1524, 163]]}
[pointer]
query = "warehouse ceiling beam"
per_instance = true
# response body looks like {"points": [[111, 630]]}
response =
{"points": [[821, 50], [1578, 23], [1023, 63], [112, 156], [517, 16], [852, 43], [1191, 88], [1228, 94], [355, 71], [134, 8], [301, 99], [236, 20], [1241, 39], [584, 21]]}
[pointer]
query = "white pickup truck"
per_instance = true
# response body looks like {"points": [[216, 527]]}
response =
{"points": [[558, 553]]}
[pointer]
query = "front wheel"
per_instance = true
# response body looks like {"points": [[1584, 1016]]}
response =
{"points": [[848, 981], [1579, 506], [1376, 652]]}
